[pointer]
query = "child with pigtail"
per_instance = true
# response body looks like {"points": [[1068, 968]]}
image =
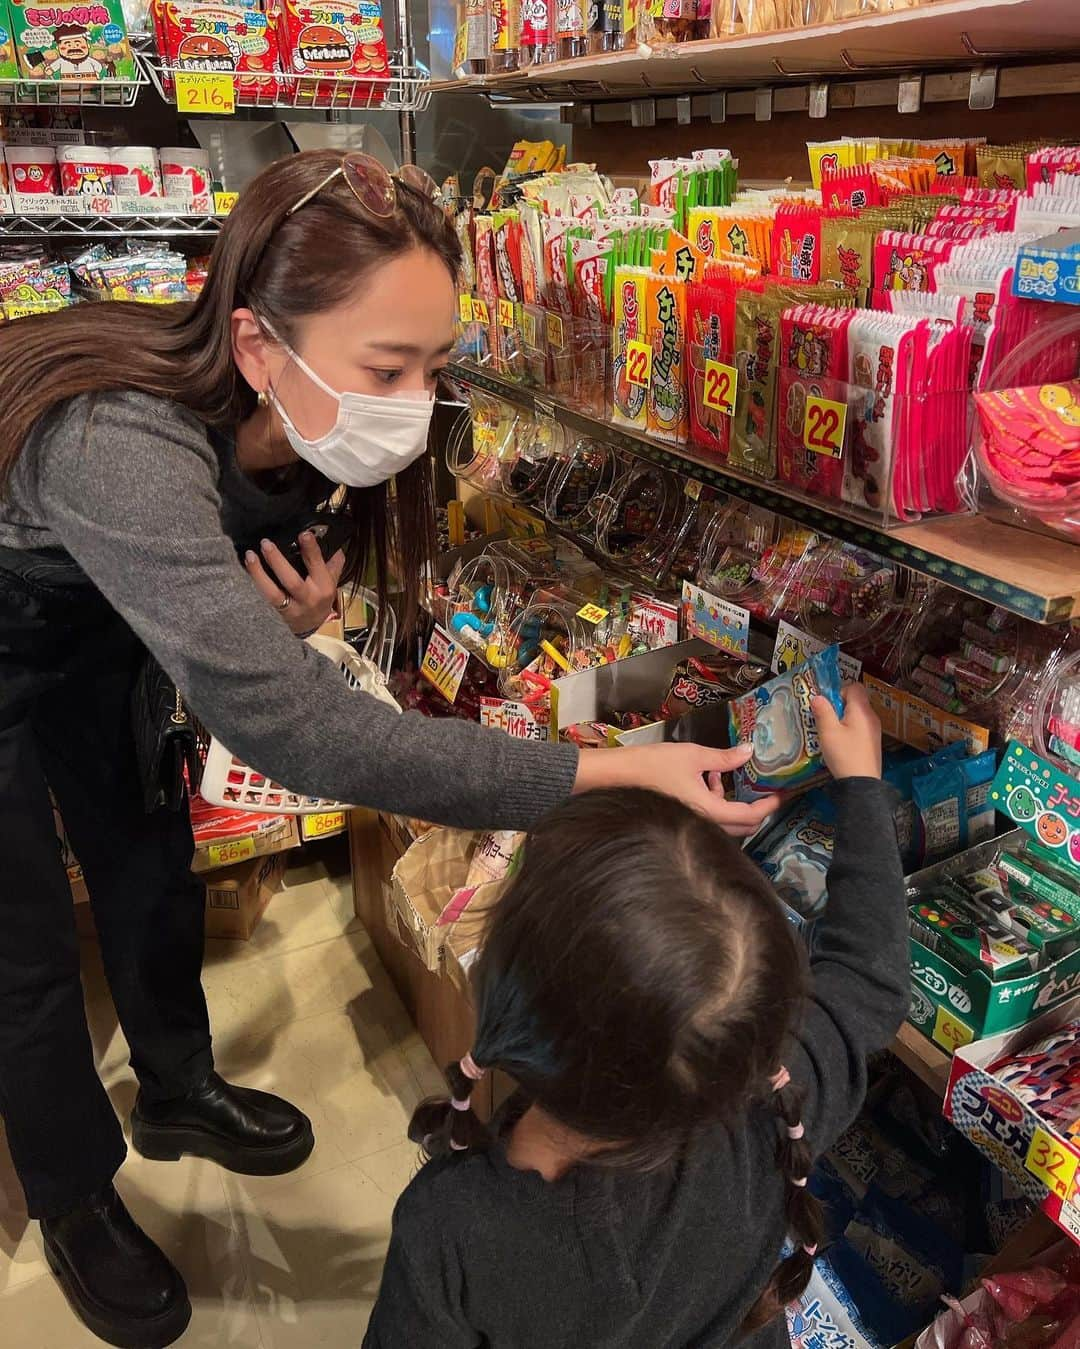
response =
{"points": [[679, 1065]]}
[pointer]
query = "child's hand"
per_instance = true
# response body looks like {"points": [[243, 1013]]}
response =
{"points": [[851, 747]]}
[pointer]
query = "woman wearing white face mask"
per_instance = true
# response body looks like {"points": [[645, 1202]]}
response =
{"points": [[139, 447]]}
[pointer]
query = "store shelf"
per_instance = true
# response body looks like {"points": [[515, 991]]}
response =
{"points": [[404, 88], [72, 93], [1028, 574], [949, 32], [107, 226], [929, 1064]]}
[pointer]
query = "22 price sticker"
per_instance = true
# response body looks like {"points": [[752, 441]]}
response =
{"points": [[214, 94], [823, 426], [639, 363], [1053, 1163], [721, 386]]}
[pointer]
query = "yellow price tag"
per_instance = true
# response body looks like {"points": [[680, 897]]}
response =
{"points": [[224, 202], [693, 489], [639, 363], [232, 850], [528, 325], [213, 94], [555, 331], [721, 386], [480, 311], [950, 1032], [504, 310], [1052, 1162], [465, 308], [823, 426], [324, 823], [592, 613]]}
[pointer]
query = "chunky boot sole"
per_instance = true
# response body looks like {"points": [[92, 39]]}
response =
{"points": [[126, 1332], [170, 1142]]}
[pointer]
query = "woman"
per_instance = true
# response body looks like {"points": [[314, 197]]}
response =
{"points": [[139, 446]]}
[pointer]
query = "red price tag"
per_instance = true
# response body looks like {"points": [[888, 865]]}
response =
{"points": [[639, 363], [721, 386], [823, 426]]}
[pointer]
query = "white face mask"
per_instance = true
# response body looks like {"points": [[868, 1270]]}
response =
{"points": [[372, 437]]}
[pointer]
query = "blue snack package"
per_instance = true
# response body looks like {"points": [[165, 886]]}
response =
{"points": [[940, 799], [777, 720], [979, 772], [796, 852]]}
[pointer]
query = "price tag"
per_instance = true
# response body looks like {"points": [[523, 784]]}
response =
{"points": [[592, 613], [444, 663], [823, 426], [504, 309], [693, 489], [465, 308], [555, 331], [215, 94], [1054, 1164], [320, 825], [721, 386], [950, 1032], [639, 363], [528, 325], [232, 850], [224, 202], [480, 311]]}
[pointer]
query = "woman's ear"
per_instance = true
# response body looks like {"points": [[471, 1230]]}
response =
{"points": [[254, 353]]}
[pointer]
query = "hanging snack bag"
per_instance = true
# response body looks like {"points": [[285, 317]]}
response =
{"points": [[220, 38], [757, 324], [668, 415], [72, 42], [630, 334], [777, 720], [343, 42], [813, 362]]}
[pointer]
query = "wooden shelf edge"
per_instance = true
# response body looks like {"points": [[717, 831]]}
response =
{"points": [[929, 1064]]}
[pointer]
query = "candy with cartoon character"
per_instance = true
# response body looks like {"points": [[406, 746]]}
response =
{"points": [[72, 42]]}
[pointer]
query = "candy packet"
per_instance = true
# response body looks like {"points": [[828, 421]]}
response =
{"points": [[777, 720], [796, 852]]}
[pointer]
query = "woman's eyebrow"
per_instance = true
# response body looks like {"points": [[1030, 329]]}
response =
{"points": [[407, 348]]}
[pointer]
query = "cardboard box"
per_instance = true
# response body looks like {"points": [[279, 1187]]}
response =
{"points": [[237, 896], [632, 685], [1049, 269], [1044, 1163], [282, 835]]}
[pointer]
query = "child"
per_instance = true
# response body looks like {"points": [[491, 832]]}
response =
{"points": [[678, 1071]]}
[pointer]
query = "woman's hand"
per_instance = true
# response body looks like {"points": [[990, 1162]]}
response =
{"points": [[680, 771], [305, 603], [851, 747]]}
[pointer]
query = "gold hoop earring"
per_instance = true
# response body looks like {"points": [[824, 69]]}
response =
{"points": [[262, 399]]}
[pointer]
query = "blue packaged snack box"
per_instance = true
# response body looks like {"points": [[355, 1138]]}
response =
{"points": [[1049, 269], [777, 720]]}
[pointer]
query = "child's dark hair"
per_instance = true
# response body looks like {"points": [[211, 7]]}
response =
{"points": [[638, 980]]}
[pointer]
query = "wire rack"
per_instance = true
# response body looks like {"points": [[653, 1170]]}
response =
{"points": [[403, 88], [106, 226], [73, 93]]}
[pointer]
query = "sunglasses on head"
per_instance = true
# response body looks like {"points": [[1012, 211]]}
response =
{"points": [[373, 185]]}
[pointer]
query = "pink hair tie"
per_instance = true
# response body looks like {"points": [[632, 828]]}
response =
{"points": [[469, 1068], [800, 1181], [796, 1130], [810, 1251], [459, 1105], [780, 1080]]}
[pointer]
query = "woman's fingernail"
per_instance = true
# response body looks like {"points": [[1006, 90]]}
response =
{"points": [[264, 544], [307, 535], [250, 557]]}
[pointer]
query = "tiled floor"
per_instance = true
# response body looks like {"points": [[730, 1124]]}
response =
{"points": [[291, 1262]]}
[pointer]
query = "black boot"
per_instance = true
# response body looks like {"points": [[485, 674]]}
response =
{"points": [[119, 1283], [240, 1129]]}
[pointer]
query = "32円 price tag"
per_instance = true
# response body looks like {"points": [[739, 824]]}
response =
{"points": [[504, 311], [639, 363], [197, 92], [721, 386], [1052, 1162], [824, 425]]}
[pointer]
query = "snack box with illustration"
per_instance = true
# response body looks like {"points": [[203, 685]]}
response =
{"points": [[1012, 1096], [343, 42], [1049, 269], [203, 38], [70, 41]]}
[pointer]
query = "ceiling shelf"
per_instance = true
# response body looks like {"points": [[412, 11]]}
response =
{"points": [[1030, 574], [947, 33]]}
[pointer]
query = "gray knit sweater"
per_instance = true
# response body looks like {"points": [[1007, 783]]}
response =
{"points": [[148, 505]]}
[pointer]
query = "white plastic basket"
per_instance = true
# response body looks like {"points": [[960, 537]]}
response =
{"points": [[228, 781]]}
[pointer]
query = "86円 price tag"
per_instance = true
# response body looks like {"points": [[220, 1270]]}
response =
{"points": [[823, 426], [232, 850]]}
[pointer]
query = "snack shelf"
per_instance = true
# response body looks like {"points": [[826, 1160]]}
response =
{"points": [[929, 1064], [106, 226], [949, 32], [1029, 574], [403, 88], [72, 93]]}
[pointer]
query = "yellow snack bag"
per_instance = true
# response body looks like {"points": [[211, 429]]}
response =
{"points": [[668, 412]]}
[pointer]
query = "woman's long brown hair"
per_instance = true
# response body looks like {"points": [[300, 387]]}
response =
{"points": [[283, 267]]}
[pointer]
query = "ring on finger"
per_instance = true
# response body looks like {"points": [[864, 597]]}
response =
{"points": [[285, 602]]}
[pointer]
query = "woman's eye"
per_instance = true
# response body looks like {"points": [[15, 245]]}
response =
{"points": [[434, 375], [387, 376]]}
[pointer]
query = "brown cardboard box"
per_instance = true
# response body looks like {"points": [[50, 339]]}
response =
{"points": [[280, 837], [236, 897]]}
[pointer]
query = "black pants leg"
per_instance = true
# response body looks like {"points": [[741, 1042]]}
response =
{"points": [[66, 668]]}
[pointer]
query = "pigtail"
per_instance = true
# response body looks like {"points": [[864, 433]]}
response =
{"points": [[805, 1221], [443, 1126]]}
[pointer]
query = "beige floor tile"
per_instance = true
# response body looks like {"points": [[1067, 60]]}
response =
{"points": [[314, 1252]]}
